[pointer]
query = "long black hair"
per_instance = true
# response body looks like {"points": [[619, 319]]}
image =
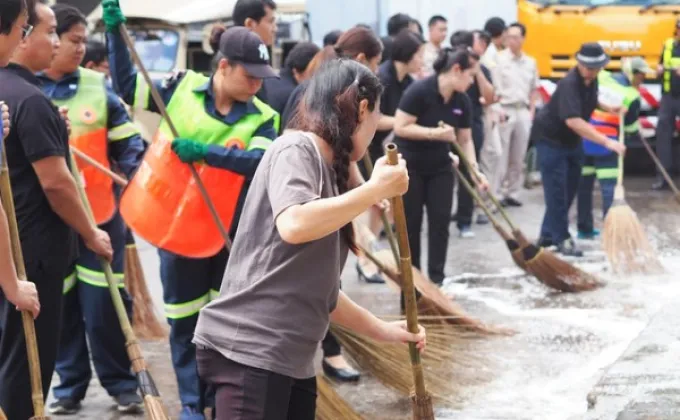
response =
{"points": [[449, 57], [330, 109]]}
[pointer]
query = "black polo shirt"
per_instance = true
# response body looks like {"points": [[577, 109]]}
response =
{"points": [[389, 101], [572, 99], [423, 100], [675, 79], [38, 132]]}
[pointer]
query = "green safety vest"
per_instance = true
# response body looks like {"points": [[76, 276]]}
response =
{"points": [[628, 93], [187, 111], [669, 64]]}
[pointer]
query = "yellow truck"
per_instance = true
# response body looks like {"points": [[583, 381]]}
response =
{"points": [[556, 29]]}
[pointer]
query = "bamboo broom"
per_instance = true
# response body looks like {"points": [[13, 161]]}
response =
{"points": [[144, 319], [421, 401], [164, 113], [330, 405], [510, 242], [550, 270], [624, 240], [152, 400], [2, 415], [431, 301], [451, 358], [37, 396], [664, 173]]}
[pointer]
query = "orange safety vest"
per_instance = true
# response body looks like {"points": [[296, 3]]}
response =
{"points": [[162, 203], [88, 113]]}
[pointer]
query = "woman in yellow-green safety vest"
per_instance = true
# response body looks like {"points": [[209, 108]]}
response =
{"points": [[224, 125]]}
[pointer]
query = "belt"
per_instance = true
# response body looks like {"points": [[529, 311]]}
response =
{"points": [[516, 105]]}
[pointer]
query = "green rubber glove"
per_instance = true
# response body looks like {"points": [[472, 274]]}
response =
{"points": [[189, 151], [112, 15]]}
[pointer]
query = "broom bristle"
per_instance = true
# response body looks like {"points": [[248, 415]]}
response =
{"points": [[434, 303], [626, 245], [558, 274], [450, 361], [330, 405], [144, 319], [422, 407], [154, 408]]}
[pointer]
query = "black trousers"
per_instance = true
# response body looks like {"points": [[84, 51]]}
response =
{"points": [[665, 129], [434, 192], [466, 205], [15, 384], [247, 393]]}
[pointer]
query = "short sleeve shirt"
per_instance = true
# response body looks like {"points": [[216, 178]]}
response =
{"points": [[423, 101], [38, 132], [389, 102], [276, 298], [572, 99]]}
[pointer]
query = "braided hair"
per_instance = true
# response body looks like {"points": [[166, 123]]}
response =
{"points": [[330, 109]]}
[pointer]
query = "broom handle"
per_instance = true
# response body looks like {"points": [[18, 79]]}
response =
{"points": [[164, 113], [407, 278], [479, 201], [114, 176], [26, 317], [383, 215], [108, 272], [493, 199], [659, 165], [622, 136]]}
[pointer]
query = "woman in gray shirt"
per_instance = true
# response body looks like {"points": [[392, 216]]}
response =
{"points": [[256, 342]]}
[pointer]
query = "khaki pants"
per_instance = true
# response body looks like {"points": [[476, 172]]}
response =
{"points": [[492, 152], [514, 133]]}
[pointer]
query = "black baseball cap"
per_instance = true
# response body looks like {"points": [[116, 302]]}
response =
{"points": [[240, 45]]}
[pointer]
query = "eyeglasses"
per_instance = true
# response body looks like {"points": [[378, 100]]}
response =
{"points": [[26, 31]]}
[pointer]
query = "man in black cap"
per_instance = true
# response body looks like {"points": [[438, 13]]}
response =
{"points": [[557, 133], [669, 110], [221, 123]]}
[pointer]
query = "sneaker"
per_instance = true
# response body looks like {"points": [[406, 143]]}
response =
{"points": [[190, 412], [65, 406], [511, 202], [129, 403], [568, 249], [482, 219], [466, 232], [588, 235]]}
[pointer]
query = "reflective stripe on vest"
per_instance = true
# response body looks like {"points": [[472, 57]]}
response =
{"points": [[162, 203], [670, 64], [88, 112]]}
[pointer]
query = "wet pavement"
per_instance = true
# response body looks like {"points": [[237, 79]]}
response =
{"points": [[616, 347]]}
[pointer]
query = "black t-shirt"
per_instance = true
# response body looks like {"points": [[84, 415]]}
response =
{"points": [[675, 79], [389, 101], [572, 99], [423, 100], [292, 104], [279, 90], [37, 132], [475, 94]]}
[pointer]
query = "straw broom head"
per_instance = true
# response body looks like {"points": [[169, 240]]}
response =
{"points": [[330, 405], [450, 360], [144, 319], [433, 302], [554, 272], [625, 242]]}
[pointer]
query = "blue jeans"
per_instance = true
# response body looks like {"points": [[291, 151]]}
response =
{"points": [[605, 169], [560, 174]]}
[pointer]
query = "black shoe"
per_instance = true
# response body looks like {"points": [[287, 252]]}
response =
{"points": [[65, 406], [129, 403], [374, 279], [568, 249], [661, 185], [342, 375], [511, 202], [482, 219]]}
